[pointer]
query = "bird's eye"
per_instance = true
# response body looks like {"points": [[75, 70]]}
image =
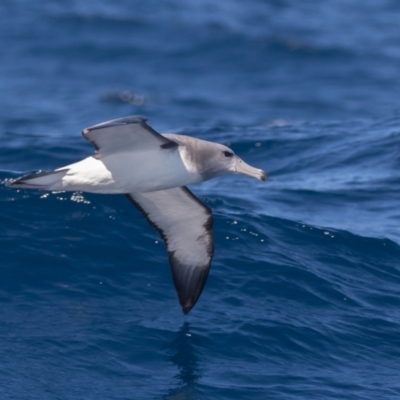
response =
{"points": [[227, 154]]}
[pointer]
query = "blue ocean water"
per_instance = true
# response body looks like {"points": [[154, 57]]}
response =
{"points": [[303, 297]]}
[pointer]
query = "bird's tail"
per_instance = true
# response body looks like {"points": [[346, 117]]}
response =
{"points": [[40, 180]]}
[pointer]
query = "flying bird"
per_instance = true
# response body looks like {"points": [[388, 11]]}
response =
{"points": [[152, 171]]}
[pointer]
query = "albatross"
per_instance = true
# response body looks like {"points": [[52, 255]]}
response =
{"points": [[152, 171]]}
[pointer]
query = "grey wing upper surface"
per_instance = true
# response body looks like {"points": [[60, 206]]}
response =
{"points": [[185, 224], [129, 133]]}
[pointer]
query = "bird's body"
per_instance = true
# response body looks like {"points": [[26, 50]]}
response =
{"points": [[130, 172], [152, 170]]}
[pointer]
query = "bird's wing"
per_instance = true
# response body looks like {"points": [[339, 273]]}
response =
{"points": [[125, 134], [185, 224]]}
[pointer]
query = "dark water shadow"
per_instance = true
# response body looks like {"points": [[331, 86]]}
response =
{"points": [[183, 355]]}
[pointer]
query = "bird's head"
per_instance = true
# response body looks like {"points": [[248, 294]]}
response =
{"points": [[236, 165], [222, 160]]}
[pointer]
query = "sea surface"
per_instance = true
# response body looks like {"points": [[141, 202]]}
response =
{"points": [[303, 297]]}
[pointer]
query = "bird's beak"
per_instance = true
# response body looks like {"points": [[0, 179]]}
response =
{"points": [[242, 168]]}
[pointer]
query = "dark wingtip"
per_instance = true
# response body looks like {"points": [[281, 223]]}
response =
{"points": [[264, 176], [11, 183], [15, 183], [18, 181], [187, 307]]}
